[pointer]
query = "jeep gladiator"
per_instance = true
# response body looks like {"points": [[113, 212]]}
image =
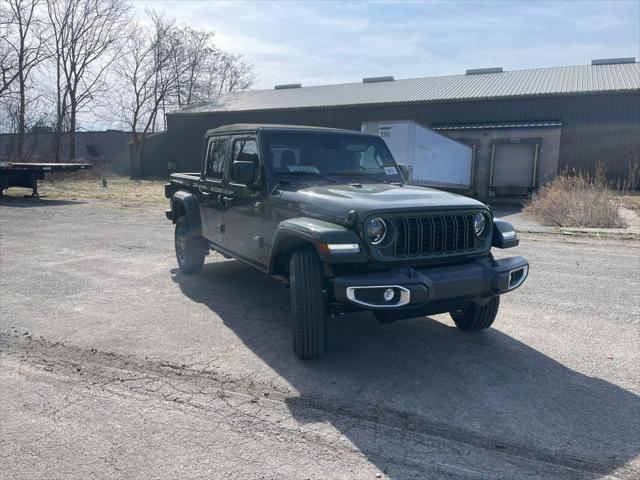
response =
{"points": [[328, 212]]}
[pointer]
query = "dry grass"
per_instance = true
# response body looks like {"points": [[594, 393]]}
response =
{"points": [[577, 200], [631, 200], [120, 189]]}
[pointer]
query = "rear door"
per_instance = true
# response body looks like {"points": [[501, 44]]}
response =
{"points": [[243, 213], [212, 187]]}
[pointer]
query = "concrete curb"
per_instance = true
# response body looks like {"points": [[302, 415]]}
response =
{"points": [[601, 233]]}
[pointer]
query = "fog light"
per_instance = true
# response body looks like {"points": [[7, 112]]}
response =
{"points": [[389, 294]]}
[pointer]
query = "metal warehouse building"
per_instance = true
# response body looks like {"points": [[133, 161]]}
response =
{"points": [[535, 122]]}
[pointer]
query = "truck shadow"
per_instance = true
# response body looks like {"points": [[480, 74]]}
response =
{"points": [[484, 390], [22, 202]]}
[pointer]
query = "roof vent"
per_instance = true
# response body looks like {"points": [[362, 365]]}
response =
{"points": [[478, 71], [377, 79], [288, 85], [613, 61]]}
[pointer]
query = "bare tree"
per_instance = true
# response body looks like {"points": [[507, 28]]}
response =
{"points": [[168, 56], [200, 69], [195, 48], [8, 58], [24, 47], [169, 66], [58, 19], [135, 68], [233, 74], [85, 33], [8, 71], [145, 69]]}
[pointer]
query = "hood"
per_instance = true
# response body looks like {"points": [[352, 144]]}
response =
{"points": [[365, 198]]}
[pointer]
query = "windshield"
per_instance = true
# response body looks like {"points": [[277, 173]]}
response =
{"points": [[323, 154]]}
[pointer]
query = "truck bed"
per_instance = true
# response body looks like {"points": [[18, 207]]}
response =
{"points": [[185, 177], [177, 181]]}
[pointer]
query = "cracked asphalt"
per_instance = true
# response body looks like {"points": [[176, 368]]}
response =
{"points": [[114, 365]]}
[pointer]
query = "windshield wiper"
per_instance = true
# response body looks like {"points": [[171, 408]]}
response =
{"points": [[361, 174], [307, 174]]}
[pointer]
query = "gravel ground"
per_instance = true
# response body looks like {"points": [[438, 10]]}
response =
{"points": [[114, 365]]}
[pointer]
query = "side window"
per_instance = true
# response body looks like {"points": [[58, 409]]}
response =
{"points": [[245, 150], [216, 157]]}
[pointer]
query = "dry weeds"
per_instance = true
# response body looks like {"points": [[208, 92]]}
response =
{"points": [[119, 189], [577, 200]]}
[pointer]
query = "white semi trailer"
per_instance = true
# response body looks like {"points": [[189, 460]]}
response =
{"points": [[433, 159]]}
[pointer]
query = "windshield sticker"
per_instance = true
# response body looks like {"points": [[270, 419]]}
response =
{"points": [[303, 168], [391, 170]]}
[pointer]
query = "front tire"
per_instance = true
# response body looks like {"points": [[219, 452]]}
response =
{"points": [[308, 305], [477, 318], [189, 251]]}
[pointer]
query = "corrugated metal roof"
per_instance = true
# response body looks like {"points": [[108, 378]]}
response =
{"points": [[501, 125], [517, 83]]}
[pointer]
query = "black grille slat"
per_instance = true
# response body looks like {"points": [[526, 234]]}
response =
{"points": [[427, 236], [413, 236], [460, 230], [471, 239], [449, 234], [400, 237], [438, 234], [465, 229], [430, 235], [470, 233]]}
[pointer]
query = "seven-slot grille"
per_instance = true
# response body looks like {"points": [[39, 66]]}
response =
{"points": [[427, 235]]}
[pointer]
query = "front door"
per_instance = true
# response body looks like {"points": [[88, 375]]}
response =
{"points": [[212, 188], [243, 213]]}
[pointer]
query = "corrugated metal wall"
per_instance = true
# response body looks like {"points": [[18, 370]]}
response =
{"points": [[596, 128]]}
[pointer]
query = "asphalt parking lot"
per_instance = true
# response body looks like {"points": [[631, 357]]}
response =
{"points": [[115, 365]]}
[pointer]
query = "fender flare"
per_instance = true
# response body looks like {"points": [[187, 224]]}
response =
{"points": [[293, 233], [188, 203]]}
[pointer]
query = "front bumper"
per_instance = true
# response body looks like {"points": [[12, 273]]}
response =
{"points": [[428, 291]]}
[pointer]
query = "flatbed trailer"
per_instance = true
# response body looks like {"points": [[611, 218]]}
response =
{"points": [[27, 174]]}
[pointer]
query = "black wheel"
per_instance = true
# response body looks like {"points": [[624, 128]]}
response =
{"points": [[477, 318], [308, 305], [189, 251]]}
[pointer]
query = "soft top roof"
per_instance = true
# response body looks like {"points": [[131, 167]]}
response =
{"points": [[254, 127]]}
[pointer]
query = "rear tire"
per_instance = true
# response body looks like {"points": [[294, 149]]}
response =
{"points": [[308, 305], [477, 318], [189, 251]]}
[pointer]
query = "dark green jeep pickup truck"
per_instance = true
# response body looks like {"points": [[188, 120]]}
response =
{"points": [[328, 212]]}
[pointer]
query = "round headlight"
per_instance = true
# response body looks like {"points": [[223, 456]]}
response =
{"points": [[479, 223], [375, 230]]}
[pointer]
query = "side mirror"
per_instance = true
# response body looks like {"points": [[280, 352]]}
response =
{"points": [[243, 171], [405, 171], [504, 235]]}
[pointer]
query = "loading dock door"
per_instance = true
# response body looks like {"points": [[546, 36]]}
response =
{"points": [[513, 167]]}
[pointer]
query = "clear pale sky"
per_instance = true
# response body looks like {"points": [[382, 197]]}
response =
{"points": [[335, 42]]}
